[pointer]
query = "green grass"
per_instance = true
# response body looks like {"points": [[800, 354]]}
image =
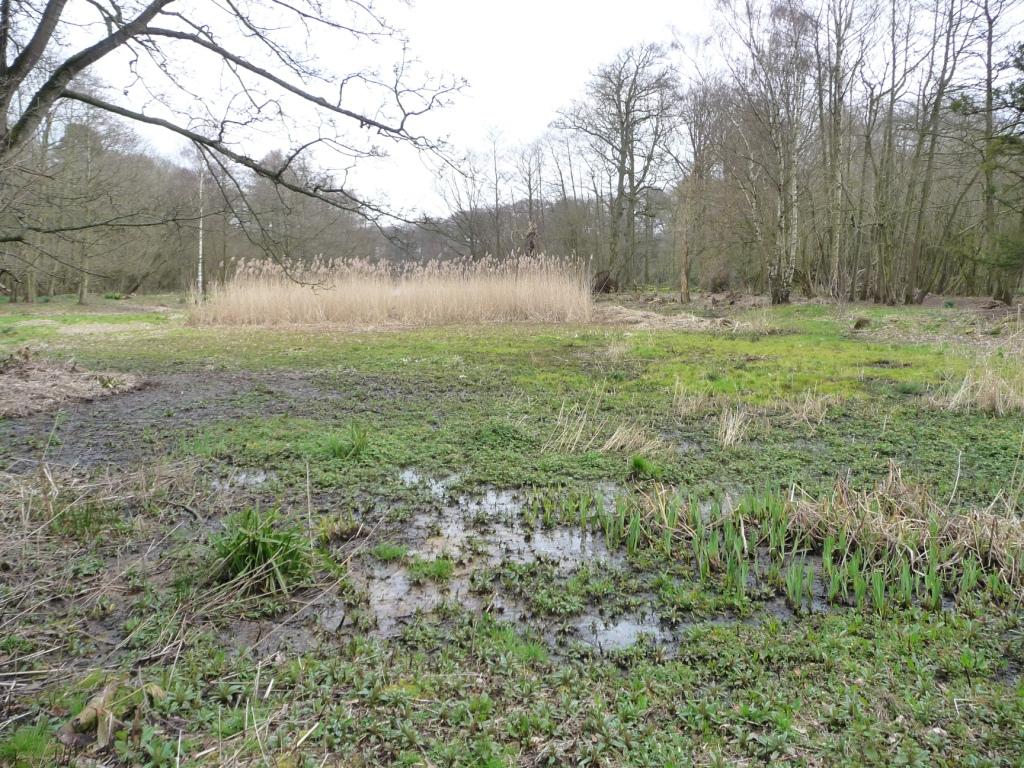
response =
{"points": [[27, 746], [387, 552], [894, 662], [348, 445], [438, 570]]}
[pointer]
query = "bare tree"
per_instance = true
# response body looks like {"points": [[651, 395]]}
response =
{"points": [[773, 81], [48, 48], [629, 117]]}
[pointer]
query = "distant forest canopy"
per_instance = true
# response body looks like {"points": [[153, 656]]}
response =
{"points": [[850, 148]]}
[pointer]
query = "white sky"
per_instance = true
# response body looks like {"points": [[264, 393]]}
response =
{"points": [[523, 61], [526, 59]]}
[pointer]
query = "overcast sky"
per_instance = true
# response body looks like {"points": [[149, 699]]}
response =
{"points": [[525, 60], [522, 60]]}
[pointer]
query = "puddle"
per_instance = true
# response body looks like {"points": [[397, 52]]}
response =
{"points": [[438, 488], [476, 533], [242, 479], [489, 530], [480, 533], [621, 633]]}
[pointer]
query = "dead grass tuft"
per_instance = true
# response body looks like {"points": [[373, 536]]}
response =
{"points": [[810, 408], [642, 319], [579, 428], [899, 517], [688, 403], [984, 389], [577, 425], [631, 438], [733, 426], [357, 293]]}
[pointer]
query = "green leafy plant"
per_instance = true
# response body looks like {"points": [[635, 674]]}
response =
{"points": [[878, 591], [799, 585], [27, 745]]}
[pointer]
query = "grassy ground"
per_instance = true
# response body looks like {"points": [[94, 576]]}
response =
{"points": [[526, 545]]}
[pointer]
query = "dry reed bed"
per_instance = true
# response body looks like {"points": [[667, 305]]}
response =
{"points": [[984, 389], [901, 518], [359, 293]]}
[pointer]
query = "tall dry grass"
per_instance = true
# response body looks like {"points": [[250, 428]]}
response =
{"points": [[535, 289]]}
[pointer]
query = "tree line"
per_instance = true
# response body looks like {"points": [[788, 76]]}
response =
{"points": [[858, 149]]}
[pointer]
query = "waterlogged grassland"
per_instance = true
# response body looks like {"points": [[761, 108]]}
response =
{"points": [[376, 450]]}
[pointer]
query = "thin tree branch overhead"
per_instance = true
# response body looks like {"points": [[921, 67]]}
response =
{"points": [[174, 52]]}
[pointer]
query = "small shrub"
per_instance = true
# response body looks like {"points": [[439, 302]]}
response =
{"points": [[265, 556], [113, 296]]}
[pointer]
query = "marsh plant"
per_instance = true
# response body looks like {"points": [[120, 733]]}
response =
{"points": [[733, 426], [799, 586], [359, 292], [349, 444], [985, 388]]}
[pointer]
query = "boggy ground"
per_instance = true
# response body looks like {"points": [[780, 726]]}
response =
{"points": [[518, 545]]}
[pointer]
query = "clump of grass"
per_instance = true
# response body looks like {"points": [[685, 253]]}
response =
{"points": [[642, 468], [896, 517], [350, 444], [84, 520], [440, 569], [733, 425], [387, 552], [577, 425], [984, 389], [799, 585], [337, 527], [27, 745], [354, 292], [810, 408], [688, 404], [912, 388], [261, 552]]}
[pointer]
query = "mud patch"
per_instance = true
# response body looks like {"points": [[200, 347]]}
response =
{"points": [[29, 385], [642, 319]]}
